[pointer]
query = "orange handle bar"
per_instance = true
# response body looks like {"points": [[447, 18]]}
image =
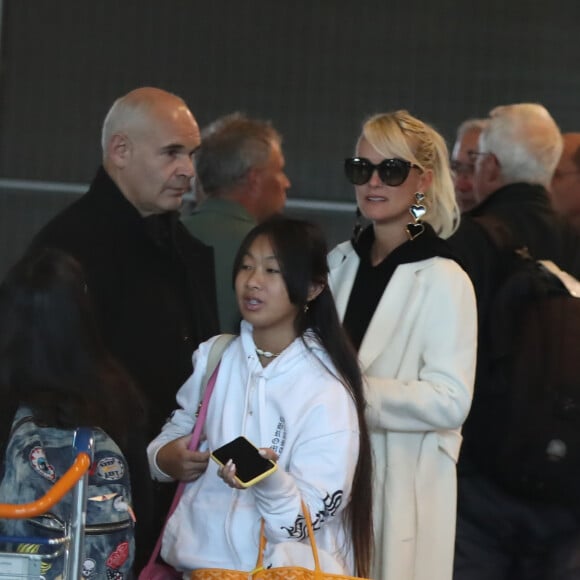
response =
{"points": [[77, 470]]}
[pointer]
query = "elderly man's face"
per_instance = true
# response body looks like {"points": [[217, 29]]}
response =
{"points": [[271, 185], [565, 187], [463, 169], [159, 167]]}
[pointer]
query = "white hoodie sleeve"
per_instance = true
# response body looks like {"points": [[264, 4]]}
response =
{"points": [[182, 419], [321, 467]]}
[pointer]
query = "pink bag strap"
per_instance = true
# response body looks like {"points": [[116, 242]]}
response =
{"points": [[216, 351], [195, 436]]}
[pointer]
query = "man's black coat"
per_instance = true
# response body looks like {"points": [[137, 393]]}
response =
{"points": [[152, 285]]}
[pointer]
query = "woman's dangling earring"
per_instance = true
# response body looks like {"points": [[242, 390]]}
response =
{"points": [[306, 307], [357, 228], [417, 210]]}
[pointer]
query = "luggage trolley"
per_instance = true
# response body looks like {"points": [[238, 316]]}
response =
{"points": [[21, 566]]}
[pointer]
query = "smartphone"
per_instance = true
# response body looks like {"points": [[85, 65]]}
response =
{"points": [[251, 467]]}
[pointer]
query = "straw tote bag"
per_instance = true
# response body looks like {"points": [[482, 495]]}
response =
{"points": [[281, 573]]}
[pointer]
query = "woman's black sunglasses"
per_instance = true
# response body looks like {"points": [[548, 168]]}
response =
{"points": [[392, 172]]}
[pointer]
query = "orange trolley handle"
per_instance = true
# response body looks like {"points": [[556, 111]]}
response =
{"points": [[83, 448]]}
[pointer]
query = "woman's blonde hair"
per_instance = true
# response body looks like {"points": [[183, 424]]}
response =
{"points": [[401, 135]]}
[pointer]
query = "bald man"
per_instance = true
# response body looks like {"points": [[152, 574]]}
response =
{"points": [[565, 187], [151, 282]]}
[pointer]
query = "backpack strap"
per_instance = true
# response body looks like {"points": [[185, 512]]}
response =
{"points": [[501, 234], [502, 237], [17, 424], [214, 358], [570, 283], [215, 354]]}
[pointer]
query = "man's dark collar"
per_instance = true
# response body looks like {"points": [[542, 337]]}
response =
{"points": [[160, 227], [107, 191], [511, 193]]}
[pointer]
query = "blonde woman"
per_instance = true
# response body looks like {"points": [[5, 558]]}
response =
{"points": [[410, 310]]}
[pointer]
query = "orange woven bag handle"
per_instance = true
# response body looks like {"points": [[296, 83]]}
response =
{"points": [[314, 547]]}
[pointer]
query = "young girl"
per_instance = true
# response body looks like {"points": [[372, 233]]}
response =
{"points": [[56, 375], [409, 309], [290, 383]]}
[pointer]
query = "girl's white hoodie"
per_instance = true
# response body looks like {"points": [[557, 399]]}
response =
{"points": [[298, 407]]}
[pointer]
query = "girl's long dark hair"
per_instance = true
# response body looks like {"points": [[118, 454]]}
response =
{"points": [[301, 250], [52, 358]]}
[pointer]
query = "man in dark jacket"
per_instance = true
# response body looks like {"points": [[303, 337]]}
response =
{"points": [[501, 536], [151, 282]]}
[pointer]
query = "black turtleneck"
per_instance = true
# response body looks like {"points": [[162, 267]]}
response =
{"points": [[371, 281]]}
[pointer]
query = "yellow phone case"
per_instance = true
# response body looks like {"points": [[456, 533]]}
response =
{"points": [[258, 477]]}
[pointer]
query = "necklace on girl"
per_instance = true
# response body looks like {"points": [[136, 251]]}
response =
{"points": [[267, 353]]}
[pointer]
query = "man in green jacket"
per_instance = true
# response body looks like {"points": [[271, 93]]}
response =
{"points": [[240, 177]]}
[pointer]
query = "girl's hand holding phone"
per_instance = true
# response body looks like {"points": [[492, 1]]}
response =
{"points": [[242, 464]]}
